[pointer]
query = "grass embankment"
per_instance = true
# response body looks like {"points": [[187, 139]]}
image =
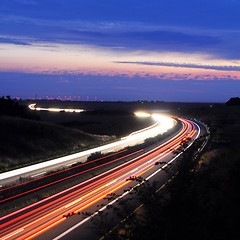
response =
{"points": [[102, 122], [26, 141], [118, 123]]}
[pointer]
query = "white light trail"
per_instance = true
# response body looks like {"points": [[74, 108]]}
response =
{"points": [[72, 203], [14, 233], [111, 183], [142, 114], [163, 124], [76, 110], [134, 170]]}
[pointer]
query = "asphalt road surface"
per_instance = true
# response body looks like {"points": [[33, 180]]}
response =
{"points": [[162, 125], [55, 216]]}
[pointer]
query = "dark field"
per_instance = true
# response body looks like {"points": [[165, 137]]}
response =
{"points": [[108, 118], [26, 141]]}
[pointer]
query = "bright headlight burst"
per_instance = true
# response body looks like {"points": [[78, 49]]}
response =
{"points": [[164, 121], [163, 124], [142, 114]]}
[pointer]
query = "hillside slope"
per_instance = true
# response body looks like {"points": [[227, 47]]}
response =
{"points": [[26, 141]]}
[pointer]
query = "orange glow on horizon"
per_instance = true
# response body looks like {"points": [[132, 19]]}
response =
{"points": [[89, 60]]}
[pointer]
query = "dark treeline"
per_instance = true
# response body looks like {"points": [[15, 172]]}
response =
{"points": [[11, 107]]}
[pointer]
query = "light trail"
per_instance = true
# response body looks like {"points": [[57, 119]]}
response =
{"points": [[115, 200], [47, 213], [12, 234], [68, 177], [163, 124], [71, 110], [63, 170]]}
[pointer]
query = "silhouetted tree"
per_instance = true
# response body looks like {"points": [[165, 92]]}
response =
{"points": [[11, 107]]}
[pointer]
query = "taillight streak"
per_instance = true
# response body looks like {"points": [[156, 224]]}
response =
{"points": [[60, 171], [66, 178], [109, 177], [55, 195], [112, 185]]}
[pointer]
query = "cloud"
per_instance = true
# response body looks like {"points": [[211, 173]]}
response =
{"points": [[156, 40], [118, 34], [15, 41], [112, 34], [184, 65], [155, 26], [117, 87]]}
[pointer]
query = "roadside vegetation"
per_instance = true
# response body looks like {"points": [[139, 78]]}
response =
{"points": [[108, 122], [26, 141], [11, 107]]}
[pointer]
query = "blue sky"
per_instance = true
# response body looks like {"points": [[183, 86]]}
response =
{"points": [[168, 50]]}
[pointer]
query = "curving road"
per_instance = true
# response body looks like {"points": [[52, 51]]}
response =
{"points": [[53, 212], [162, 125]]}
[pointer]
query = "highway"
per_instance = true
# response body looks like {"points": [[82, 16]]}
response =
{"points": [[54, 211], [162, 124]]}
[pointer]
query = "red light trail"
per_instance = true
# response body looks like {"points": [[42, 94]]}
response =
{"points": [[34, 219]]}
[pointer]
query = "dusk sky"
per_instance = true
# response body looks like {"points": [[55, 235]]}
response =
{"points": [[166, 50]]}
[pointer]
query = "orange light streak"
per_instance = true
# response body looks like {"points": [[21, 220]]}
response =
{"points": [[112, 182], [44, 229]]}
